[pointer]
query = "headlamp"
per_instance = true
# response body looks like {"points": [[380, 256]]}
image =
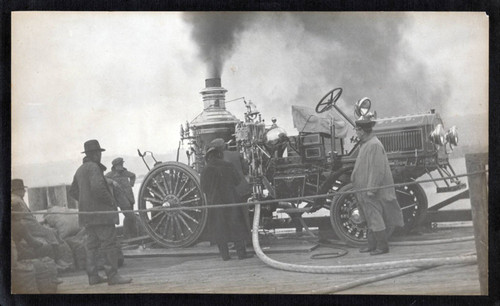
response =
{"points": [[437, 136], [452, 136]]}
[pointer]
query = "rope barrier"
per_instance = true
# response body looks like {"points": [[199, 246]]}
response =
{"points": [[263, 202]]}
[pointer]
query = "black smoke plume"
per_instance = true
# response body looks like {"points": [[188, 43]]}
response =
{"points": [[216, 35]]}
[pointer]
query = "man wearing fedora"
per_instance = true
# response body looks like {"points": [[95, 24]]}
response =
{"points": [[126, 181], [91, 190], [379, 207]]}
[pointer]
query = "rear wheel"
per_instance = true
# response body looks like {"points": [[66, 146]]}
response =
{"points": [[351, 228], [170, 185], [346, 219]]}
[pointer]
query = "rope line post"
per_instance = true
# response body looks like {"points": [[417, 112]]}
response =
{"points": [[478, 185]]}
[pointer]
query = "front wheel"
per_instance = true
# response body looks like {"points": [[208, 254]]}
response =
{"points": [[413, 202]]}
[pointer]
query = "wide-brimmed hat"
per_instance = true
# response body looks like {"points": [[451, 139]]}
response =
{"points": [[117, 161], [17, 184], [365, 123], [92, 145]]}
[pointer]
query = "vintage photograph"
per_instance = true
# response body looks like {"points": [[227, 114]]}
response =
{"points": [[249, 152]]}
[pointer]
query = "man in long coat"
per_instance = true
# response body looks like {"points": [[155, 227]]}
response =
{"points": [[243, 188], [379, 207], [122, 176], [91, 190], [124, 195], [218, 181]]}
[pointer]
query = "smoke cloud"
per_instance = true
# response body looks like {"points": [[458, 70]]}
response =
{"points": [[216, 35], [366, 54]]}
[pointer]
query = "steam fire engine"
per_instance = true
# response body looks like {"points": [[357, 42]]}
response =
{"points": [[319, 160]]}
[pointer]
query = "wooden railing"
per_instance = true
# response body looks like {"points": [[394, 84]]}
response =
{"points": [[478, 186]]}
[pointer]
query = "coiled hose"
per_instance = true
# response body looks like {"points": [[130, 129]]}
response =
{"points": [[396, 264]]}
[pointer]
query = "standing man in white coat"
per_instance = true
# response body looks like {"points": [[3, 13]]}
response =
{"points": [[379, 207]]}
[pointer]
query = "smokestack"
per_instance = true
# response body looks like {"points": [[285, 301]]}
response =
{"points": [[214, 95], [214, 121], [215, 82]]}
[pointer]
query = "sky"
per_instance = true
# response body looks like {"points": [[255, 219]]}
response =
{"points": [[129, 79]]}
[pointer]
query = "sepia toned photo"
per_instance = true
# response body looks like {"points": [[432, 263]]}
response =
{"points": [[249, 152]]}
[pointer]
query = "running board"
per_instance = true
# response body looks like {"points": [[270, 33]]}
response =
{"points": [[446, 172], [462, 195], [451, 188]]}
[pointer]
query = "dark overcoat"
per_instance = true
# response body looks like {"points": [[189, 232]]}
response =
{"points": [[91, 190], [218, 181], [372, 170], [243, 188], [26, 226], [126, 179]]}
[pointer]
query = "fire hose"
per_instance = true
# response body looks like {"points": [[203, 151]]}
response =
{"points": [[342, 252], [396, 264]]}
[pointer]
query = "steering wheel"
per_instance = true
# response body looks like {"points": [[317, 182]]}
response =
{"points": [[329, 100]]}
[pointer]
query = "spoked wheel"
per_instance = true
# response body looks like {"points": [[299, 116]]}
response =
{"points": [[349, 226], [413, 202], [346, 219], [169, 185], [331, 186]]}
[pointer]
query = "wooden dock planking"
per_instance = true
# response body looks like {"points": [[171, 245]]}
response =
{"points": [[455, 280], [209, 274]]}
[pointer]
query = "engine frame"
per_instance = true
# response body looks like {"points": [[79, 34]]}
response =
{"points": [[315, 163]]}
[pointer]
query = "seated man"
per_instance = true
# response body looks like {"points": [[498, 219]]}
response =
{"points": [[41, 241]]}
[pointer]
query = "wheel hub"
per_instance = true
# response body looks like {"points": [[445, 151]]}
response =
{"points": [[355, 217], [171, 201]]}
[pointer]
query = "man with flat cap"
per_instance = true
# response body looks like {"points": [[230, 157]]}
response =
{"points": [[126, 181], [91, 190], [379, 207], [122, 176]]}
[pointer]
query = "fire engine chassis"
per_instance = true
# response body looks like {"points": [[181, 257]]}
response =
{"points": [[316, 163]]}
